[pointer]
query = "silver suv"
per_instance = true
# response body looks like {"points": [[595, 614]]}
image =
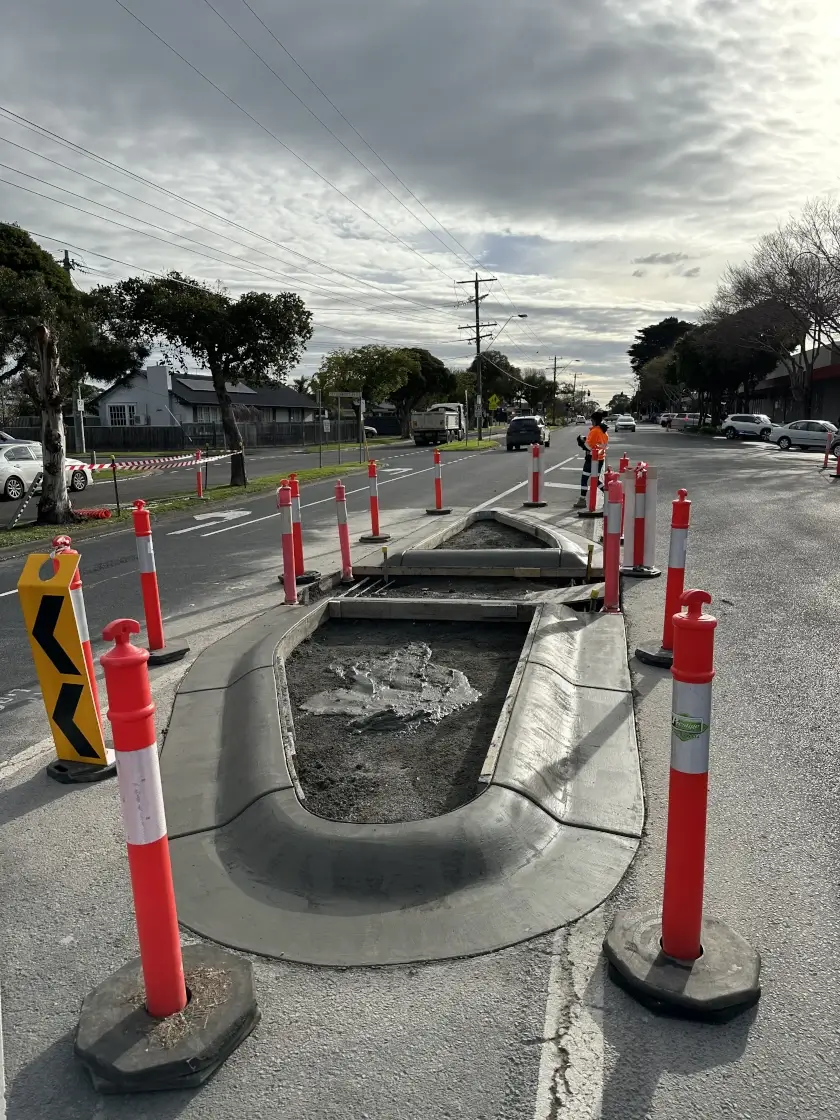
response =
{"points": [[743, 424]]}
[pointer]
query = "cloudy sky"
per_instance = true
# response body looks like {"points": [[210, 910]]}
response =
{"points": [[603, 158]]}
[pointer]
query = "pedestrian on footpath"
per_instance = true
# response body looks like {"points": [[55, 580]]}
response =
{"points": [[596, 439]]}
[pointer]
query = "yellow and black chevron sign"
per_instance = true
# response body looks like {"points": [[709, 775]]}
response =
{"points": [[59, 660]]}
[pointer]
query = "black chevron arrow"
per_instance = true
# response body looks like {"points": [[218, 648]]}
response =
{"points": [[64, 715], [44, 634]]}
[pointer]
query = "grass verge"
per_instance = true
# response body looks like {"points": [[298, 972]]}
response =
{"points": [[470, 444], [43, 534]]}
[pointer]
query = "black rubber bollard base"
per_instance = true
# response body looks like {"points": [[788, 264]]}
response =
{"points": [[661, 658], [534, 505], [309, 576], [721, 984], [640, 573], [172, 651], [71, 773], [438, 512], [126, 1050], [590, 515], [374, 538]]}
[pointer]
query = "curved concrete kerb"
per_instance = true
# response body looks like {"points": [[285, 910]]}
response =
{"points": [[550, 836], [567, 554]]}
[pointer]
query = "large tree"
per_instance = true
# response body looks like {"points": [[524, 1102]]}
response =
{"points": [[374, 372], [432, 381], [785, 299], [256, 339], [497, 374], [656, 339], [52, 337]]}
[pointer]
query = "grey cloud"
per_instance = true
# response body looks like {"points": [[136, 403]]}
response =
{"points": [[661, 258], [555, 133], [692, 272], [601, 123], [639, 272]]}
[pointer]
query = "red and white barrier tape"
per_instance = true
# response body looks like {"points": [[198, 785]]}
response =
{"points": [[160, 464]]}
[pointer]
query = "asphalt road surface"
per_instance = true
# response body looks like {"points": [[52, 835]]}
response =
{"points": [[534, 1031]]}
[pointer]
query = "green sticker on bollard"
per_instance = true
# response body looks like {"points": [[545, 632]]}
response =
{"points": [[687, 727]]}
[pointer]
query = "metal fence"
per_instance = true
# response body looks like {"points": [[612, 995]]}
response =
{"points": [[143, 437]]}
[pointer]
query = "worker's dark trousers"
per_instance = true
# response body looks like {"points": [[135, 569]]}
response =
{"points": [[587, 470]]}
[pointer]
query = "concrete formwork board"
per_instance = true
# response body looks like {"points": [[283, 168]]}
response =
{"points": [[551, 835]]}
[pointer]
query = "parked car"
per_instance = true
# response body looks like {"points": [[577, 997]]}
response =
{"points": [[21, 463], [685, 421], [625, 423], [802, 433], [525, 430], [6, 438], [370, 431], [580, 419], [745, 424]]}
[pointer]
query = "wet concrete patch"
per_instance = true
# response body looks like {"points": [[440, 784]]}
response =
{"points": [[492, 534], [391, 770]]}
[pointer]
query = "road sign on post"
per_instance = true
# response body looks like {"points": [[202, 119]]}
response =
{"points": [[62, 672]]}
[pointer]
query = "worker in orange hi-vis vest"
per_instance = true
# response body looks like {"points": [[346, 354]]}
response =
{"points": [[596, 440]]}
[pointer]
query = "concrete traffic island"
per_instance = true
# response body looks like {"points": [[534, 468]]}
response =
{"points": [[555, 553], [554, 827]]}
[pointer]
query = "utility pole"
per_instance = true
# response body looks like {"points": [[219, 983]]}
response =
{"points": [[476, 299], [554, 395]]}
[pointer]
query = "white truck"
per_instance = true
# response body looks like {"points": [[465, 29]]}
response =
{"points": [[442, 423]]}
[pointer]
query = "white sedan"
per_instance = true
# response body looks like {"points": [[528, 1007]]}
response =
{"points": [[802, 433], [626, 423], [21, 463]]}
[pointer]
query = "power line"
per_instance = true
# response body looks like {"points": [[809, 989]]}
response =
{"points": [[197, 225], [350, 125], [335, 137], [370, 148], [262, 271], [172, 280], [40, 130], [277, 139]]}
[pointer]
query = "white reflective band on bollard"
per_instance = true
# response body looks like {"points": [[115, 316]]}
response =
{"points": [[651, 504], [286, 520], [145, 554], [691, 714], [78, 600], [678, 549], [614, 517], [628, 484], [141, 795]]}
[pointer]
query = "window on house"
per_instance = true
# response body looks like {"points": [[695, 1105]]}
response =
{"points": [[121, 415], [206, 413]]}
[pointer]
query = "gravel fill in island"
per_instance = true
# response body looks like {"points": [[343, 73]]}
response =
{"points": [[492, 534], [393, 719]]}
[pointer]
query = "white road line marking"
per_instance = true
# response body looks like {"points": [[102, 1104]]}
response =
{"points": [[3, 594], [564, 485], [319, 502], [519, 485]]}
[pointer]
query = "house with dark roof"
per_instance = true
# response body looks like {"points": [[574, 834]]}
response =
{"points": [[160, 397]]}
